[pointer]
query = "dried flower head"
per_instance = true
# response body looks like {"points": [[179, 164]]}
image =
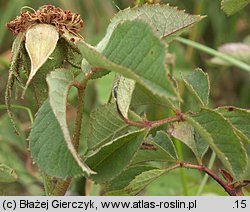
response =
{"points": [[48, 14]]}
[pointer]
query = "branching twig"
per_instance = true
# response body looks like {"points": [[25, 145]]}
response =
{"points": [[231, 189], [153, 124]]}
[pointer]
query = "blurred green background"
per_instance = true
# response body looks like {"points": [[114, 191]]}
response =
{"points": [[229, 85]]}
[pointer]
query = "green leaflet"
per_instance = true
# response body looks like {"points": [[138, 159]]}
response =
{"points": [[168, 21], [153, 153], [199, 86], [185, 132], [164, 141], [114, 157], [48, 146], [222, 139], [123, 179], [59, 82], [135, 52], [142, 180], [158, 148], [105, 122], [232, 6], [7, 174], [239, 118]]}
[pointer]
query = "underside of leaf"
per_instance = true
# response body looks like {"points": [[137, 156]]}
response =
{"points": [[48, 146], [136, 52], [168, 21]]}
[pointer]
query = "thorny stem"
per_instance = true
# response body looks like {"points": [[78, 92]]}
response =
{"points": [[78, 123], [230, 189]]}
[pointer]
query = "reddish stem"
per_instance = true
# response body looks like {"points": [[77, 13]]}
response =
{"points": [[231, 190]]}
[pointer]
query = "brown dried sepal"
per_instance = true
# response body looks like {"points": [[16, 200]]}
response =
{"points": [[48, 14]]}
